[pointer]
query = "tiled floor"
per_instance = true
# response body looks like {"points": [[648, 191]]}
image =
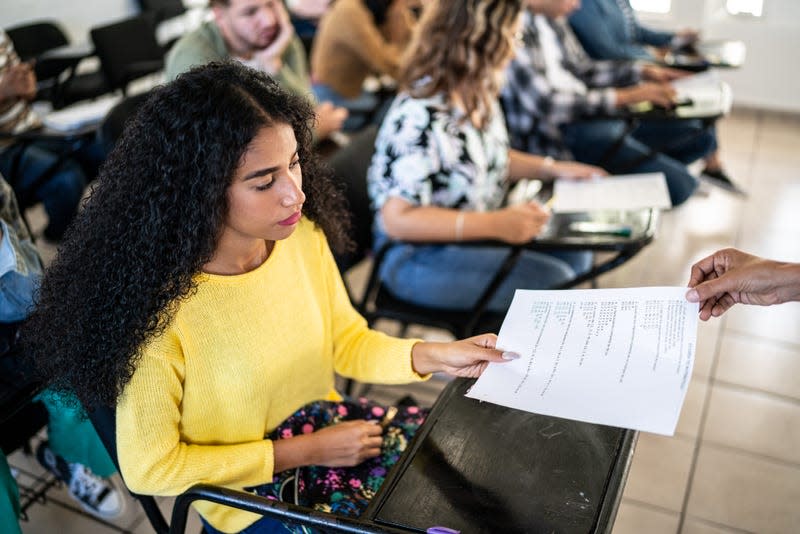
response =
{"points": [[734, 464]]}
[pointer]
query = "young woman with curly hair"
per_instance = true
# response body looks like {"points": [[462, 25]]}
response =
{"points": [[196, 291], [443, 162]]}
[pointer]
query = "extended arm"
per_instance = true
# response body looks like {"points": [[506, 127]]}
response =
{"points": [[730, 276]]}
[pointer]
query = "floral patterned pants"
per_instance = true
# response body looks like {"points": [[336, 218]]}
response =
{"points": [[340, 490]]}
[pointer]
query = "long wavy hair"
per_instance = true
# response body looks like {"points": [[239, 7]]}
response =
{"points": [[460, 46], [154, 219]]}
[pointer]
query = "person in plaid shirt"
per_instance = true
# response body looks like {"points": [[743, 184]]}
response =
{"points": [[553, 87]]}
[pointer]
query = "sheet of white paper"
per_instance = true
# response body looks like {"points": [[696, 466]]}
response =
{"points": [[709, 95], [625, 192], [619, 357], [79, 115]]}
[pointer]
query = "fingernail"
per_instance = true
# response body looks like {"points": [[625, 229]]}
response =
{"points": [[692, 295], [510, 355]]}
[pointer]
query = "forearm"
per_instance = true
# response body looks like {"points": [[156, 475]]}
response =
{"points": [[423, 357], [655, 37], [522, 165], [297, 451], [787, 277], [435, 224]]}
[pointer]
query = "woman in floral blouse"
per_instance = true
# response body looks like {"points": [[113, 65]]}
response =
{"points": [[442, 164]]}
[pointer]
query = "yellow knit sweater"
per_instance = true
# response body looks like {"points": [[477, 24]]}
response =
{"points": [[239, 357]]}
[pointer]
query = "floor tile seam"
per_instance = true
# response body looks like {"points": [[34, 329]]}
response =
{"points": [[141, 518], [719, 525], [777, 343], [649, 506], [70, 507], [743, 388], [776, 461], [701, 428]]}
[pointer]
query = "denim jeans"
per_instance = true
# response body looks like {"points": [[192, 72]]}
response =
{"points": [[453, 277], [60, 194], [686, 140]]}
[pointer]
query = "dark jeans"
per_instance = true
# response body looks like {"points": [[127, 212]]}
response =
{"points": [[685, 142], [61, 192], [453, 277]]}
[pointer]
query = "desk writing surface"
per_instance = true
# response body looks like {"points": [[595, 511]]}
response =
{"points": [[482, 468], [558, 231]]}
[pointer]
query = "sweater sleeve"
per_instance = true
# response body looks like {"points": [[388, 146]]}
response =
{"points": [[360, 352], [599, 40], [153, 458], [654, 37], [365, 41]]}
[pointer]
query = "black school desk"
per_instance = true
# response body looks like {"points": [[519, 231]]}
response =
{"points": [[482, 468], [721, 53]]}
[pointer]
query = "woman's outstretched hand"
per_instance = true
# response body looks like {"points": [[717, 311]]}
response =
{"points": [[465, 357]]}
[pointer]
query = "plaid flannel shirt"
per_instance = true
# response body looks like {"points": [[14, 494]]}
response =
{"points": [[535, 110]]}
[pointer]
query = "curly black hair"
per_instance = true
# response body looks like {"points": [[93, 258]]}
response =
{"points": [[153, 220]]}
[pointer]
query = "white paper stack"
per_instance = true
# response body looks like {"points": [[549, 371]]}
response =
{"points": [[80, 115]]}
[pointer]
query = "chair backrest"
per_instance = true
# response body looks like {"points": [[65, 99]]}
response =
{"points": [[114, 122], [127, 50], [162, 9], [30, 40], [350, 166]]}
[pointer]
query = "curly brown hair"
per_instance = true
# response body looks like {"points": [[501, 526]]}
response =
{"points": [[154, 219], [460, 46]]}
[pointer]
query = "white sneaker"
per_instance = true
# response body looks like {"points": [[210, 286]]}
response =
{"points": [[98, 496]]}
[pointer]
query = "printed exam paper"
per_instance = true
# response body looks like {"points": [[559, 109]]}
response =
{"points": [[619, 357], [624, 192]]}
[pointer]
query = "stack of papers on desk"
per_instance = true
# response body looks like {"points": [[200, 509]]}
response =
{"points": [[80, 115], [625, 192], [708, 95], [619, 357]]}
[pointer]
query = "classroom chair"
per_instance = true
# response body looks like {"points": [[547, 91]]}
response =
{"points": [[128, 50], [57, 77], [350, 166]]}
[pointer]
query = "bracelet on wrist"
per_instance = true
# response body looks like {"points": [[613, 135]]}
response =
{"points": [[547, 163], [460, 226]]}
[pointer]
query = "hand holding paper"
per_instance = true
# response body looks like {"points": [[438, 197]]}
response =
{"points": [[620, 357]]}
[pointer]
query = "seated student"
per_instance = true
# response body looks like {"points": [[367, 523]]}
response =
{"points": [[72, 444], [608, 29], [257, 33], [552, 85], [442, 163], [305, 15], [357, 38], [196, 291], [62, 191]]}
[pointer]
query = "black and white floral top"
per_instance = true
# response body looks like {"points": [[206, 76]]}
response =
{"points": [[429, 154]]}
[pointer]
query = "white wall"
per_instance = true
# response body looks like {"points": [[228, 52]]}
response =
{"points": [[770, 77]]}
